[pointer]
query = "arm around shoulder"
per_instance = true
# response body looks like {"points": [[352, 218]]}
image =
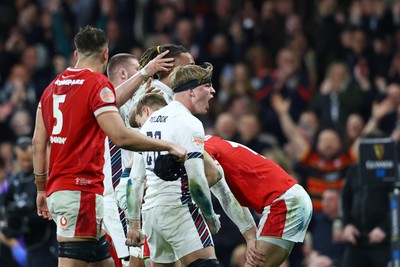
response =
{"points": [[112, 124]]}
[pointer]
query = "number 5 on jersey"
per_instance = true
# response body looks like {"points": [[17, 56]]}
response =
{"points": [[57, 114]]}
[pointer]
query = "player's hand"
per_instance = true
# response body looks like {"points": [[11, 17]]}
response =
{"points": [[159, 63], [42, 209], [150, 88], [120, 193], [178, 151], [254, 257], [134, 238], [214, 224]]}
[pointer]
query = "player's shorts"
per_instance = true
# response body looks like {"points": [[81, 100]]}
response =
{"points": [[287, 217], [113, 226], [77, 214], [174, 232]]}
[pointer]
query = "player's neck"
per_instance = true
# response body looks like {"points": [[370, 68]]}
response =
{"points": [[184, 101], [86, 64], [165, 81]]}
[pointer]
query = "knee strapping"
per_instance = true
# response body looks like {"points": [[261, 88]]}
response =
{"points": [[88, 251], [102, 249], [204, 263], [79, 250]]}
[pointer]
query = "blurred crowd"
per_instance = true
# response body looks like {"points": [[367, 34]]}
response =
{"points": [[299, 81]]}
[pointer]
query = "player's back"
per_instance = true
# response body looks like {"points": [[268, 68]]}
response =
{"points": [[173, 123], [70, 105], [254, 180]]}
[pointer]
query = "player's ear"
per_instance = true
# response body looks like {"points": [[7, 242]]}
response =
{"points": [[145, 110], [123, 73], [75, 54], [104, 55]]}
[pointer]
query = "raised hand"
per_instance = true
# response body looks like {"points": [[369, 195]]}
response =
{"points": [[159, 63]]}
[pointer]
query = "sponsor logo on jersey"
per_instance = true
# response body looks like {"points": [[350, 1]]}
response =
{"points": [[69, 82], [107, 95], [82, 181], [198, 141], [63, 221], [158, 118], [58, 140]]}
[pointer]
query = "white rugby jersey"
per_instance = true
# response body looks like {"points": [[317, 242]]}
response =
{"points": [[176, 124], [125, 110]]}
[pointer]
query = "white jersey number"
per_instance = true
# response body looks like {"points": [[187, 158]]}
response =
{"points": [[57, 114]]}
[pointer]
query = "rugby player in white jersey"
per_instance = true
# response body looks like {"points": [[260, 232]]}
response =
{"points": [[175, 228]]}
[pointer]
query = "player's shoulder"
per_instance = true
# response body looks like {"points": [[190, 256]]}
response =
{"points": [[213, 139]]}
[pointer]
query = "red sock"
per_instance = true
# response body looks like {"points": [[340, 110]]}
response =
{"points": [[113, 253]]}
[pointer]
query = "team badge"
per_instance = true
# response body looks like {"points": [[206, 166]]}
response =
{"points": [[198, 141], [107, 95]]}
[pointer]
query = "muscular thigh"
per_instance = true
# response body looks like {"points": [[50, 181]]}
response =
{"points": [[178, 230], [287, 217]]}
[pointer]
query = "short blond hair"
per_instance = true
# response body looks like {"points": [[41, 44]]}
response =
{"points": [[184, 74], [152, 100]]}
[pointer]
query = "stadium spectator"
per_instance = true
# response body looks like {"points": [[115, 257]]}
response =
{"points": [[366, 221], [326, 165], [326, 232], [23, 222]]}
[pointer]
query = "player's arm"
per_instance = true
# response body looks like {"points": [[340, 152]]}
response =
{"points": [[134, 196], [40, 164], [213, 173], [289, 127], [120, 189], [126, 90], [200, 192], [241, 216], [113, 126]]}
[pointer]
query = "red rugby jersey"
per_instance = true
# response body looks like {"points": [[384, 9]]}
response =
{"points": [[254, 180], [69, 106]]}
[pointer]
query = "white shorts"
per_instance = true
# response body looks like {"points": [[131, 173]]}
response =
{"points": [[287, 217], [77, 214], [113, 226], [174, 232]]}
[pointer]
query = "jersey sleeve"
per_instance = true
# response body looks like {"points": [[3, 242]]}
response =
{"points": [[191, 136], [103, 99]]}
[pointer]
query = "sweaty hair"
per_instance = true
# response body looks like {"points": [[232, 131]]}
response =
{"points": [[90, 41], [184, 74], [153, 100], [122, 59]]}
